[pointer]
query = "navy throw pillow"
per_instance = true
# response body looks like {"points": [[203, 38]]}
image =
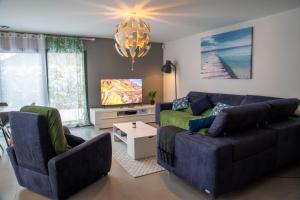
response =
{"points": [[200, 105], [196, 124]]}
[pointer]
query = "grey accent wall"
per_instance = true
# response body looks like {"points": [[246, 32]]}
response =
{"points": [[103, 62]]}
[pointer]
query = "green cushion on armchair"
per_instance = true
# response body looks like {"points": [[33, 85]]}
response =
{"points": [[55, 127]]}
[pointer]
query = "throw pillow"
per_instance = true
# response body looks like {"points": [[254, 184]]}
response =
{"points": [[217, 127], [201, 105], [204, 122], [180, 104], [55, 128], [218, 108]]}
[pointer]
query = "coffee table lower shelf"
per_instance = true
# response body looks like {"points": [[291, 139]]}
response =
{"points": [[140, 141]]}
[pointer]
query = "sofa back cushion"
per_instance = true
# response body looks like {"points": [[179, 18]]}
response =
{"points": [[256, 99], [282, 109], [200, 105], [230, 99], [32, 143], [194, 96], [232, 120]]}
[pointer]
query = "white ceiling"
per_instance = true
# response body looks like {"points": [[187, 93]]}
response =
{"points": [[174, 18]]}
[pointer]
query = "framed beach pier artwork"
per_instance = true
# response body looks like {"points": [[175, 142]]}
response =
{"points": [[227, 55]]}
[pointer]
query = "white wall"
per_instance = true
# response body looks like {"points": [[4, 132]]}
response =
{"points": [[276, 60]]}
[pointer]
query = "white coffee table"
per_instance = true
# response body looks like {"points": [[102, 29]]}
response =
{"points": [[141, 141]]}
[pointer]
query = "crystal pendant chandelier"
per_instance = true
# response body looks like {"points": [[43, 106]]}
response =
{"points": [[133, 38]]}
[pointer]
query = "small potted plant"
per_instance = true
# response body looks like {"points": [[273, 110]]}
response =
{"points": [[152, 95]]}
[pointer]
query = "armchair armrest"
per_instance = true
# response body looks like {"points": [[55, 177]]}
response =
{"points": [[80, 166], [160, 107]]}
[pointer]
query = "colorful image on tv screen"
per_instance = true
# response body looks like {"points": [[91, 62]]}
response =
{"points": [[121, 91]]}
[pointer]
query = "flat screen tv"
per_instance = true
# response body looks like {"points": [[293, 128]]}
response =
{"points": [[121, 91]]}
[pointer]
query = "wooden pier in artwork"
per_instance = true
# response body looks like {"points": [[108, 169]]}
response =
{"points": [[216, 68]]}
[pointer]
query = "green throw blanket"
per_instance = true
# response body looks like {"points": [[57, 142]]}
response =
{"points": [[180, 118]]}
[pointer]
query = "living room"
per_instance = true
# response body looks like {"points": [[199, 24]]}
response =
{"points": [[127, 99]]}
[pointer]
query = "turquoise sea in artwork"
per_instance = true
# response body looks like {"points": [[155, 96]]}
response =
{"points": [[227, 55]]}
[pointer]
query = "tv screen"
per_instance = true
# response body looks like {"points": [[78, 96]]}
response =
{"points": [[121, 91]]}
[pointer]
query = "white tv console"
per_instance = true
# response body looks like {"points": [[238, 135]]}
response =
{"points": [[106, 117]]}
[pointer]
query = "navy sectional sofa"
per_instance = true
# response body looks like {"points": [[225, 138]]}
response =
{"points": [[258, 136]]}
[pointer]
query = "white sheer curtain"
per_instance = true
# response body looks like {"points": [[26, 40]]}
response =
{"points": [[66, 79], [23, 79]]}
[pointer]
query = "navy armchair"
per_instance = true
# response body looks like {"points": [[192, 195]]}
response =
{"points": [[39, 169]]}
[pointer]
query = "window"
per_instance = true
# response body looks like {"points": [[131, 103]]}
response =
{"points": [[66, 84], [22, 79], [25, 79]]}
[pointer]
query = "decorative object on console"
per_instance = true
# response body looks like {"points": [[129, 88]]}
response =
{"points": [[133, 124], [152, 95], [180, 104], [133, 38], [227, 55], [167, 68]]}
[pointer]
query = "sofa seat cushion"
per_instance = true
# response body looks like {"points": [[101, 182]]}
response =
{"points": [[252, 142], [176, 118]]}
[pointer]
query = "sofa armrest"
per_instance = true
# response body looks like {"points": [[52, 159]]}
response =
{"points": [[80, 166], [160, 107], [204, 162]]}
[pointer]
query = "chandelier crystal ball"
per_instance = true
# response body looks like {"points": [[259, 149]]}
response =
{"points": [[132, 38]]}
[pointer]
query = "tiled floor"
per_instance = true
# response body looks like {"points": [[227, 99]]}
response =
{"points": [[283, 185]]}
